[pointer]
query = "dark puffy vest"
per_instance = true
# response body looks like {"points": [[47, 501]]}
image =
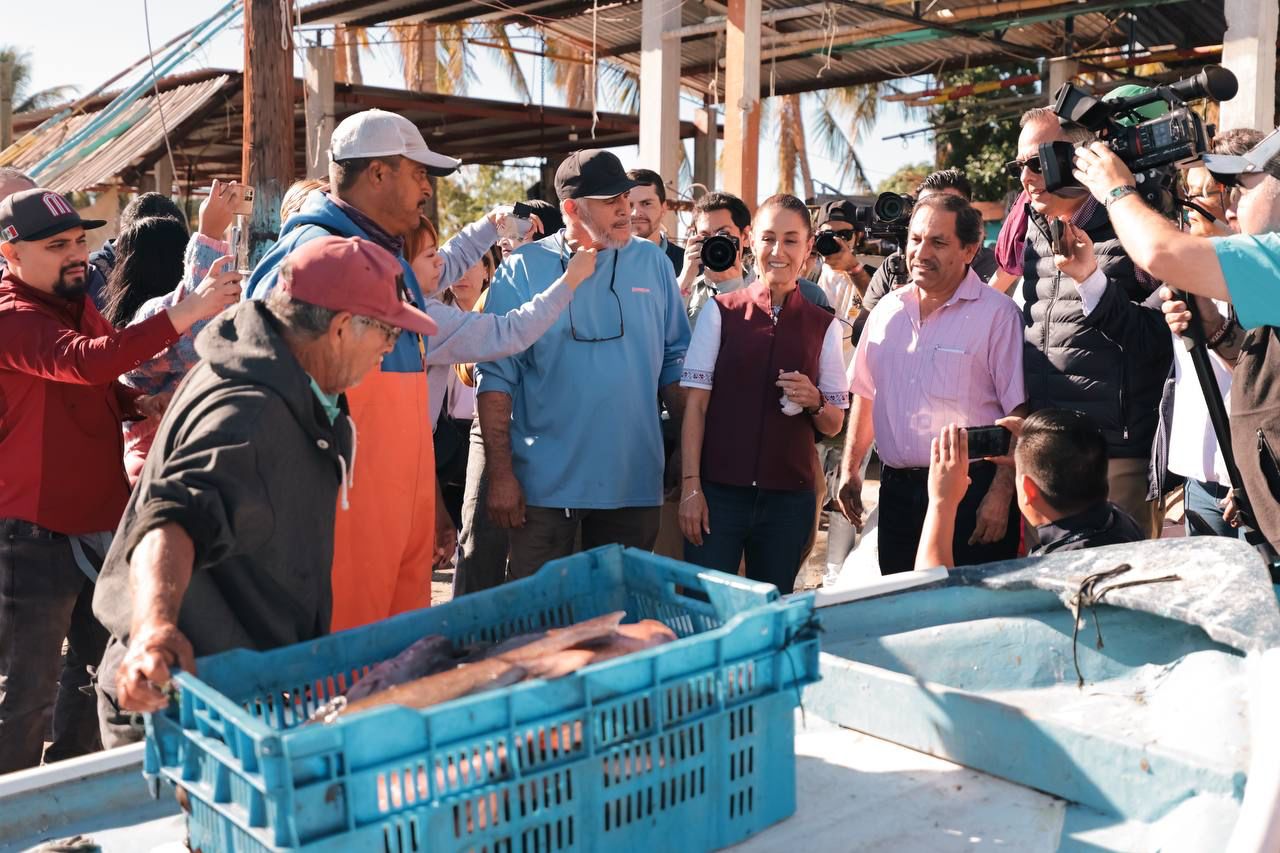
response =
{"points": [[749, 441], [1110, 365]]}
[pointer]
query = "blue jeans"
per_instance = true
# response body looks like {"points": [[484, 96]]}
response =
{"points": [[1202, 499], [771, 528]]}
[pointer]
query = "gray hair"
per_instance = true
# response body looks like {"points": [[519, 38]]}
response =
{"points": [[300, 319], [1076, 134], [1237, 141]]}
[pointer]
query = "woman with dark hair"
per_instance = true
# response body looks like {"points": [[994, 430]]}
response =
{"points": [[765, 373], [148, 264], [104, 260], [145, 286]]}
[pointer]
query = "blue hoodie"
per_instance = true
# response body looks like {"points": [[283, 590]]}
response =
{"points": [[320, 217]]}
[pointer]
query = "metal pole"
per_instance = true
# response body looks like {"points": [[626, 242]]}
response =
{"points": [[1193, 340]]}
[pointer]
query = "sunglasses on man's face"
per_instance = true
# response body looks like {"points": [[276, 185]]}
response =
{"points": [[1014, 167]]}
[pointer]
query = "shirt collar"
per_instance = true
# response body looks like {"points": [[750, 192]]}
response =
{"points": [[1096, 518], [375, 232], [328, 401]]}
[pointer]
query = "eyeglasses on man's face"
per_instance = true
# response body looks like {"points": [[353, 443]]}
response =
{"points": [[390, 332]]}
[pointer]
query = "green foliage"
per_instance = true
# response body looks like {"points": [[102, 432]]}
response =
{"points": [[473, 191], [988, 136], [20, 93], [906, 179]]}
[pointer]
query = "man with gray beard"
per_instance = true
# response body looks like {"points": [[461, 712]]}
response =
{"points": [[570, 428]]}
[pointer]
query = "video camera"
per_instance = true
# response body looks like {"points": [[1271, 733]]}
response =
{"points": [[1153, 148], [884, 221]]}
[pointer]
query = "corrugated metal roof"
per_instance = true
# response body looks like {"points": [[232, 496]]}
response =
{"points": [[129, 140], [811, 46], [205, 113]]}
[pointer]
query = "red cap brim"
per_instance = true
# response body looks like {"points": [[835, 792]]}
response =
{"points": [[411, 319]]}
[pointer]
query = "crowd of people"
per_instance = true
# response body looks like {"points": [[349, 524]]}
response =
{"points": [[195, 458]]}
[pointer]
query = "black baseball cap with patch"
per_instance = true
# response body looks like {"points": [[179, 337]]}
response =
{"points": [[836, 211], [592, 173], [38, 214]]}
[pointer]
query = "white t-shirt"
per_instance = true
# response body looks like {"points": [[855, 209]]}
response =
{"points": [[700, 361], [1193, 447]]}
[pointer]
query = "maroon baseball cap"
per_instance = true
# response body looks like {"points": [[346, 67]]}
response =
{"points": [[355, 275]]}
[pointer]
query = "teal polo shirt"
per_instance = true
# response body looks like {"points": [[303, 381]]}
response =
{"points": [[1251, 268]]}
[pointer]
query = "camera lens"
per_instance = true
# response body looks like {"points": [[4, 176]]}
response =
{"points": [[893, 208], [720, 252], [826, 244]]}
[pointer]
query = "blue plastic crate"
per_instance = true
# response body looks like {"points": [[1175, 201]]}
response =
{"points": [[688, 746]]}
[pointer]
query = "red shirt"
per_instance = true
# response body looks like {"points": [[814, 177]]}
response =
{"points": [[61, 449]]}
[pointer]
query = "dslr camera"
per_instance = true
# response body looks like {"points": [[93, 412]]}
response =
{"points": [[1154, 148], [885, 220], [720, 252]]}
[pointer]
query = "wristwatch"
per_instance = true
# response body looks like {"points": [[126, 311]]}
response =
{"points": [[1118, 193], [813, 413]]}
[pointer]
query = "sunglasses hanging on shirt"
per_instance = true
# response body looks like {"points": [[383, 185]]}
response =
{"points": [[573, 328]]}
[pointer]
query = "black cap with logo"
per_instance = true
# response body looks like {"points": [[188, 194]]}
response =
{"points": [[836, 211], [37, 214], [592, 173]]}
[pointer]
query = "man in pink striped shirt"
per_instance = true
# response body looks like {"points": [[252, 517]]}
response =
{"points": [[944, 349]]}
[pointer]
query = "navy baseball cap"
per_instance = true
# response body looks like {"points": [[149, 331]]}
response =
{"points": [[39, 213], [592, 173]]}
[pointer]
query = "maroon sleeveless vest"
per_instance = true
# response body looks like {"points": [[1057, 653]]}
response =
{"points": [[748, 440]]}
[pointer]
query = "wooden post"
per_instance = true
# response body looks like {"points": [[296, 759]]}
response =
{"points": [[742, 101], [704, 146], [266, 162], [1060, 71], [6, 103], [660, 93], [1249, 49], [320, 121], [164, 176]]}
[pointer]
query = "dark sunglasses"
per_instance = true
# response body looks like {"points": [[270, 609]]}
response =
{"points": [[1015, 167]]}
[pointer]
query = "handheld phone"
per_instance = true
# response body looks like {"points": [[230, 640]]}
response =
{"points": [[1058, 238], [988, 441], [240, 246], [517, 223], [244, 201]]}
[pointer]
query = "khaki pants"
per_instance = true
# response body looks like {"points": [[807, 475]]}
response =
{"points": [[1127, 479]]}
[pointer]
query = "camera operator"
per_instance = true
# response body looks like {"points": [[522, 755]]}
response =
{"points": [[842, 277], [724, 214], [1090, 343], [950, 181], [1186, 444], [1242, 268]]}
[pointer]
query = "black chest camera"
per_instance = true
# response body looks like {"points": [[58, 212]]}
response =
{"points": [[1152, 148], [720, 252]]}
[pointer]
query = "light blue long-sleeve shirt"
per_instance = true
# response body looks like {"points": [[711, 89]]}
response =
{"points": [[584, 427]]}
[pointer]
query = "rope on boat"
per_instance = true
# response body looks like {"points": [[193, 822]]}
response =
{"points": [[1090, 595]]}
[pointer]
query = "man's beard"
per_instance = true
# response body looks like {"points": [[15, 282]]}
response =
{"points": [[642, 229], [600, 235], [68, 289]]}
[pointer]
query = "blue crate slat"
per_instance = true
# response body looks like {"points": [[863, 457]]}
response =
{"points": [[683, 747]]}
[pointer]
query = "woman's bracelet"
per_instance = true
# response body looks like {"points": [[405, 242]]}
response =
{"points": [[693, 476]]}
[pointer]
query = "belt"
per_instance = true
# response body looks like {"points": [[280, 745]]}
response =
{"points": [[919, 475], [15, 527]]}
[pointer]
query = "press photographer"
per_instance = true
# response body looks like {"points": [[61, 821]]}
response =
{"points": [[1242, 268], [842, 277], [891, 275], [1090, 343]]}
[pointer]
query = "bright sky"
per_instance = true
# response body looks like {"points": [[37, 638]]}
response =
{"points": [[85, 42]]}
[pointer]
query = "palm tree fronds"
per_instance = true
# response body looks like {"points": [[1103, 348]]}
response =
{"points": [[507, 59]]}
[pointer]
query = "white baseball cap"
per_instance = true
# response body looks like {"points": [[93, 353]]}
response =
{"points": [[378, 133]]}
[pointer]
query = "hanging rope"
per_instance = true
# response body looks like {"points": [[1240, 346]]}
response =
{"points": [[829, 24], [155, 85], [595, 23], [284, 25]]}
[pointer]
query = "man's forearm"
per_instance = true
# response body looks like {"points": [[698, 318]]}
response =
{"points": [[857, 440], [494, 410], [1153, 243], [159, 574]]}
